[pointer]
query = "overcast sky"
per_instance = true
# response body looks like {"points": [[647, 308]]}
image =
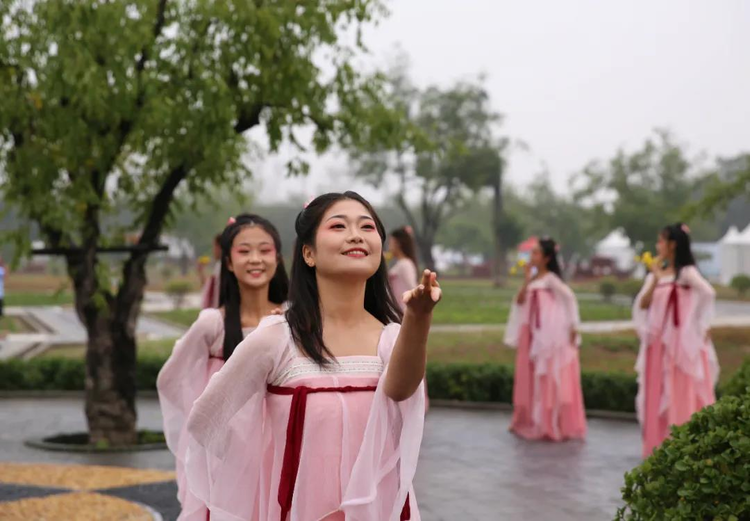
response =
{"points": [[576, 80]]}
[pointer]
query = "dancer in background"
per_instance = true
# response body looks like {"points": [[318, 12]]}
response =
{"points": [[677, 365], [543, 327], [340, 381], [254, 284], [211, 284], [404, 273]]}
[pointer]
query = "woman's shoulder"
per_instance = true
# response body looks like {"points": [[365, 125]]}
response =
{"points": [[209, 320]]}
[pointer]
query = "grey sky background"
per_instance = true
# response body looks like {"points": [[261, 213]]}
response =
{"points": [[576, 80]]}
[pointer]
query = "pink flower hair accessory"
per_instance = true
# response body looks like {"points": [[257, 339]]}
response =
{"points": [[304, 207], [231, 221], [685, 228]]}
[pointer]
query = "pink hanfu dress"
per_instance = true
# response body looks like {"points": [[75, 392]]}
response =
{"points": [[332, 447], [194, 359], [547, 397], [211, 288], [403, 276], [677, 365]]}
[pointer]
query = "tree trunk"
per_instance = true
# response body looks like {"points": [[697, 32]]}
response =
{"points": [[111, 350], [110, 382], [499, 267], [425, 242]]}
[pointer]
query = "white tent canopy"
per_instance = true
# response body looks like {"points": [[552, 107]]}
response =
{"points": [[735, 253], [617, 247]]}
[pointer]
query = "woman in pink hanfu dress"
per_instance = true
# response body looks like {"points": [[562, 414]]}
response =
{"points": [[543, 327], [677, 366], [340, 382], [255, 284], [404, 274], [211, 284]]}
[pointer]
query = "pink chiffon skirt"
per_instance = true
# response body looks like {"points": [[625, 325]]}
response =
{"points": [[544, 409]]}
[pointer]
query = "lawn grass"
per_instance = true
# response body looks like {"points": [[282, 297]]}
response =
{"points": [[38, 298], [180, 317]]}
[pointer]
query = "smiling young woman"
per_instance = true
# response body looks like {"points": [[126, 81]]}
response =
{"points": [[254, 284], [340, 378]]}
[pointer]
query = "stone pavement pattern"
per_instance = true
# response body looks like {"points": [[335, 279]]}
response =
{"points": [[470, 467]]}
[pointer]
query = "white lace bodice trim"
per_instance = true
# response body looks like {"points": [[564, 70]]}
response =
{"points": [[356, 366]]}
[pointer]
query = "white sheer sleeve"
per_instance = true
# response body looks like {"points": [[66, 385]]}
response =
{"points": [[244, 375], [705, 296], [639, 314], [567, 298], [225, 427], [183, 376]]}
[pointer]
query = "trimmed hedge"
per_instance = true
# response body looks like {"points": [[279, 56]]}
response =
{"points": [[458, 381], [702, 471]]}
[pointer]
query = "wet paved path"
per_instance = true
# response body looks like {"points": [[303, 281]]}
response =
{"points": [[470, 468]]}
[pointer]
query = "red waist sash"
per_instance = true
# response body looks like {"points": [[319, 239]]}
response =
{"points": [[294, 430]]}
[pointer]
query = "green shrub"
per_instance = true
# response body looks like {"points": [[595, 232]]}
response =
{"points": [[470, 382], [458, 381], [177, 290], [629, 287], [741, 283], [609, 391], [494, 383], [701, 472], [739, 382], [607, 288]]}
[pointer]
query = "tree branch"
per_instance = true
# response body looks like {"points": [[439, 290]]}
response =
{"points": [[248, 117]]}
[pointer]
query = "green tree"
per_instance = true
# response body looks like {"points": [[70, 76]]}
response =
{"points": [[728, 187], [440, 159], [137, 103], [544, 212], [640, 192]]}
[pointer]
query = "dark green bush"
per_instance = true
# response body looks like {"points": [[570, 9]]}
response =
{"points": [[470, 382], [629, 287], [739, 382], [701, 472], [465, 382], [609, 391], [741, 283], [607, 288]]}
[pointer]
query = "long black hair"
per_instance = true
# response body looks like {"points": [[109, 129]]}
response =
{"points": [[229, 295], [303, 315], [406, 243], [549, 252], [683, 253]]}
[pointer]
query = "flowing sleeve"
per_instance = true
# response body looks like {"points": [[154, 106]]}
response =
{"points": [[705, 297], [382, 475], [640, 315], [184, 376], [567, 299], [515, 321], [225, 427]]}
